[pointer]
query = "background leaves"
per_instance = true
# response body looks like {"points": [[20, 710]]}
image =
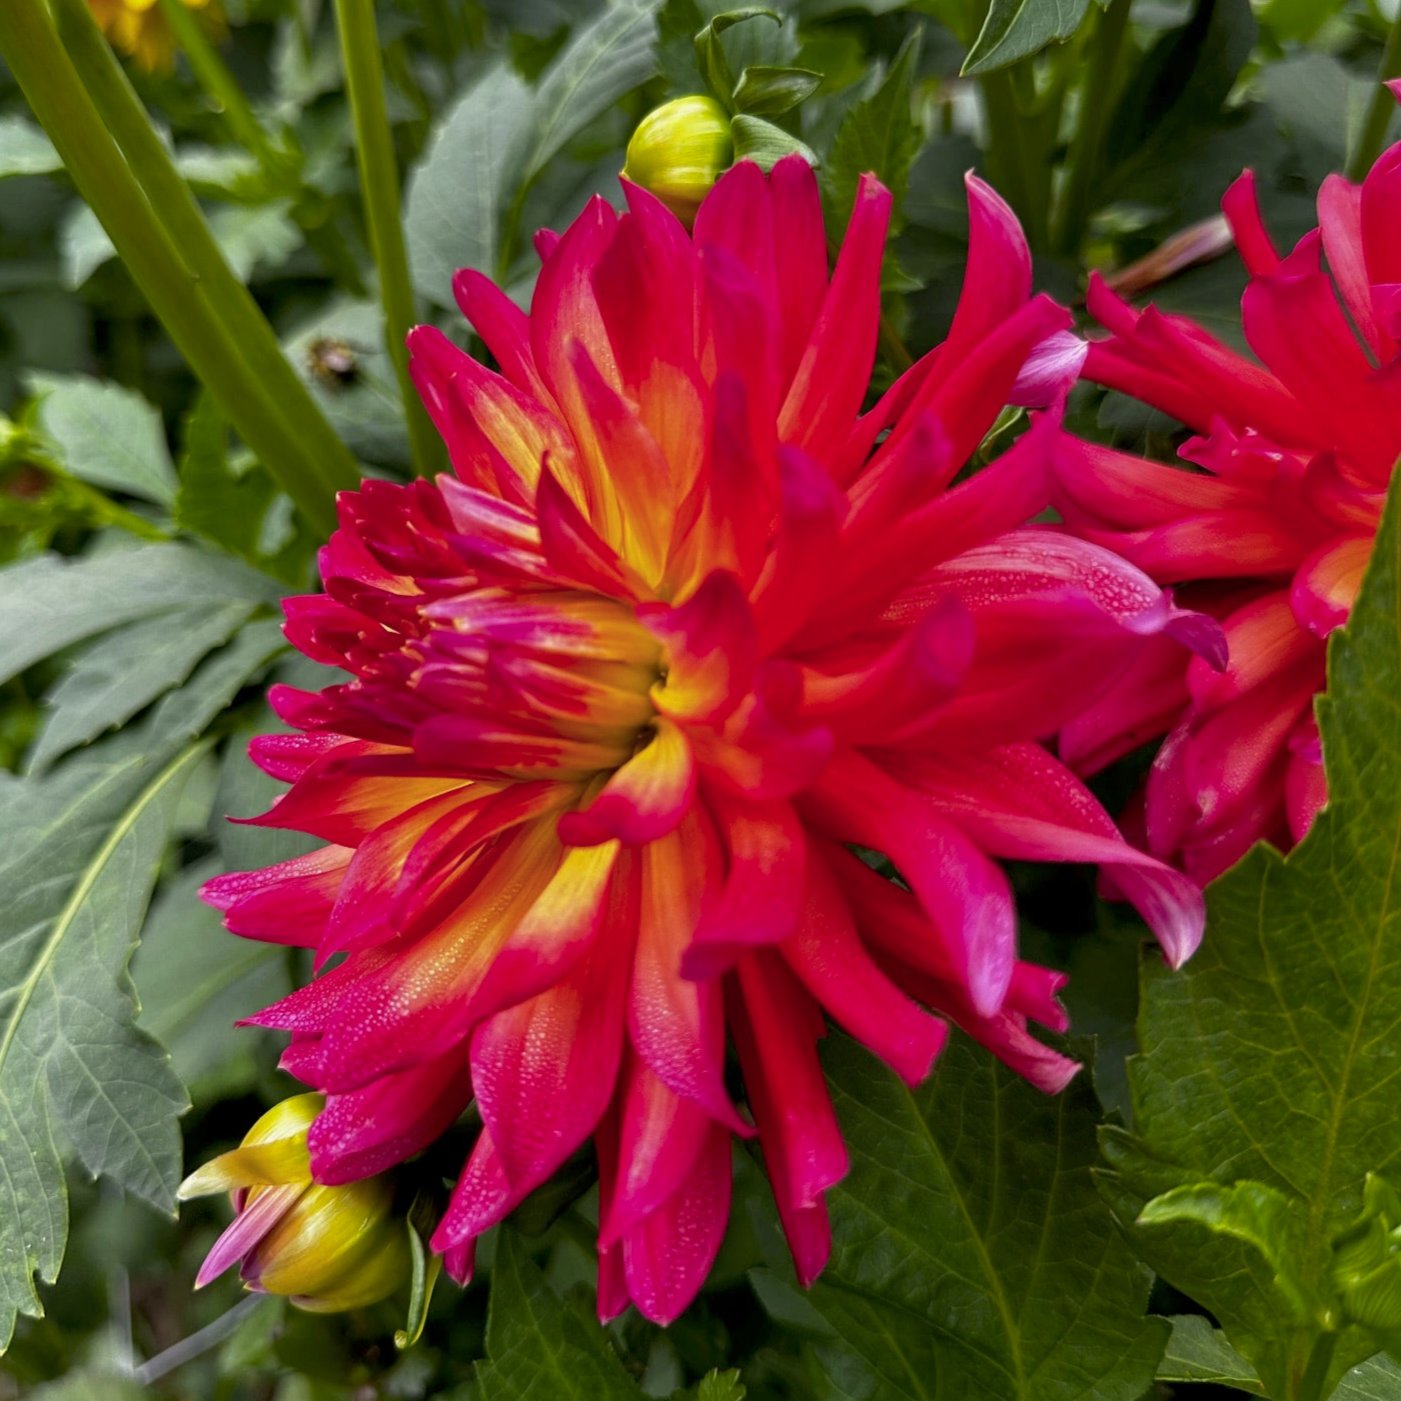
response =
{"points": [[1268, 1065]]}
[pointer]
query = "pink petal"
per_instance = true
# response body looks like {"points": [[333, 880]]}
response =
{"points": [[643, 800], [776, 1026]]}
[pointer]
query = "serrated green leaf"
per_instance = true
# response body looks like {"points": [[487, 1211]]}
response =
{"points": [[83, 848], [105, 435], [1013, 29], [764, 143], [25, 150], [241, 511], [81, 856], [720, 1386], [710, 54], [878, 134], [1197, 1352], [604, 61], [48, 603], [972, 1256], [769, 92], [456, 194], [539, 1347], [125, 671], [1271, 1057]]}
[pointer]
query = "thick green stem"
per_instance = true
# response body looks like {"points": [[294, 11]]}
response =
{"points": [[1086, 157], [310, 449], [1372, 137], [379, 183], [65, 106], [215, 78], [1313, 1385]]}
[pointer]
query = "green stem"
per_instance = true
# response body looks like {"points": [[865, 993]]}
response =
{"points": [[1313, 1385], [379, 183], [1087, 147], [64, 104], [1372, 137], [1011, 157], [308, 452], [223, 89]]}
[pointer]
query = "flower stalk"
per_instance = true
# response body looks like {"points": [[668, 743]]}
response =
{"points": [[379, 183], [1085, 157], [108, 146]]}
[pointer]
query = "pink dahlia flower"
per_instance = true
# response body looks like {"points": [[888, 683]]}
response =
{"points": [[1295, 453], [627, 687]]}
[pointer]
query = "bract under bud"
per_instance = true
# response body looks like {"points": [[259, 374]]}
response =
{"points": [[1367, 1260], [326, 1248], [678, 152]]}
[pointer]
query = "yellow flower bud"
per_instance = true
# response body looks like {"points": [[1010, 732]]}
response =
{"points": [[678, 152], [326, 1248]]}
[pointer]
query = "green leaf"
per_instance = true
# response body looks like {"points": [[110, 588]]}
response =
{"points": [[81, 856], [47, 603], [126, 670], [972, 1256], [537, 1345], [195, 980], [105, 435], [878, 134], [766, 144], [369, 413], [1377, 1379], [83, 848], [1271, 1057], [1250, 1212], [25, 150], [604, 61], [242, 510], [1197, 1352], [716, 1386], [91, 1384], [254, 236], [83, 246], [769, 92], [1180, 86], [456, 194], [1015, 28], [710, 54]]}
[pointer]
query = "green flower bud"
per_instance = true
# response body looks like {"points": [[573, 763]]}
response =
{"points": [[678, 152], [326, 1248]]}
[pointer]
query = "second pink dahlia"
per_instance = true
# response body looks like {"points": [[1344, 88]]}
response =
{"points": [[1271, 523]]}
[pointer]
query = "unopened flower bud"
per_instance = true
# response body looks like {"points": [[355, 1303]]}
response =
{"points": [[678, 152], [326, 1248]]}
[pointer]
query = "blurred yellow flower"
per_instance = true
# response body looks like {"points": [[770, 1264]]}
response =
{"points": [[139, 28]]}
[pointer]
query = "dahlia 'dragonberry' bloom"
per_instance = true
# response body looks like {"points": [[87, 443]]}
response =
{"points": [[683, 627], [329, 1248], [1272, 533]]}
